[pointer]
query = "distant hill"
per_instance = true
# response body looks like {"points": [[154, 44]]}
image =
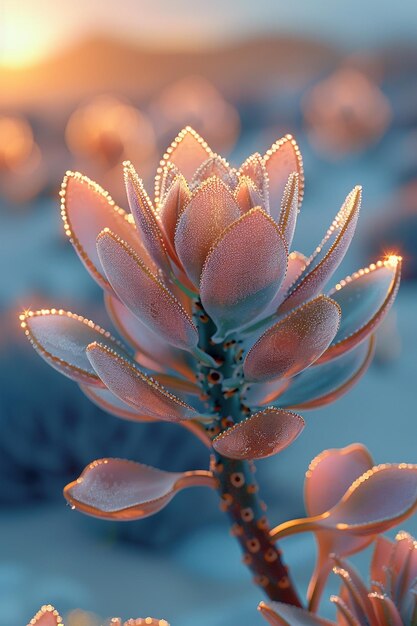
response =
{"points": [[102, 64]]}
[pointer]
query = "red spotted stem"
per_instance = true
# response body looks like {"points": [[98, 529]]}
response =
{"points": [[238, 488]]}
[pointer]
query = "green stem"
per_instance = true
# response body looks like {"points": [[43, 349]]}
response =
{"points": [[237, 486]]}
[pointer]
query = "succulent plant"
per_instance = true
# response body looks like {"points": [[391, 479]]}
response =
{"points": [[227, 330]]}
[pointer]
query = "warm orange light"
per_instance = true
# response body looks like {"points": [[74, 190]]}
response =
{"points": [[16, 141], [392, 260]]}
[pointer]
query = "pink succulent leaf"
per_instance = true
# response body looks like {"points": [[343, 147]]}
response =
{"points": [[365, 299], [381, 557], [345, 617], [243, 271], [356, 592], [385, 609], [281, 160], [152, 351], [212, 208], [328, 478], [328, 255], [289, 208], [330, 475], [110, 403], [215, 166], [278, 614], [261, 435], [296, 262], [144, 293], [164, 178], [293, 343], [117, 489], [46, 616], [187, 152], [131, 385], [254, 168], [145, 218], [175, 199], [404, 565], [364, 510], [247, 195], [86, 209], [326, 382], [61, 338]]}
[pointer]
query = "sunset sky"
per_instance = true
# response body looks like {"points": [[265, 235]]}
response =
{"points": [[31, 30]]}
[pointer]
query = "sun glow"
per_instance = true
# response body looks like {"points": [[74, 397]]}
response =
{"points": [[23, 42]]}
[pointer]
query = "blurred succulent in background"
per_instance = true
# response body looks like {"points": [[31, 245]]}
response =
{"points": [[346, 112], [228, 330], [22, 172], [49, 616], [102, 132]]}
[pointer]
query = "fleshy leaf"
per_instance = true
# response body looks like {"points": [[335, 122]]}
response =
{"points": [[215, 166], [110, 403], [152, 351], [254, 168], [289, 208], [211, 209], [385, 610], [365, 299], [365, 509], [247, 195], [175, 199], [144, 293], [331, 473], [117, 489], [134, 387], [328, 255], [296, 262], [46, 616], [381, 558], [243, 270], [86, 209], [293, 343], [164, 178], [326, 382], [354, 589], [187, 152], [145, 218], [357, 518], [281, 160], [61, 338], [279, 614], [260, 435]]}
